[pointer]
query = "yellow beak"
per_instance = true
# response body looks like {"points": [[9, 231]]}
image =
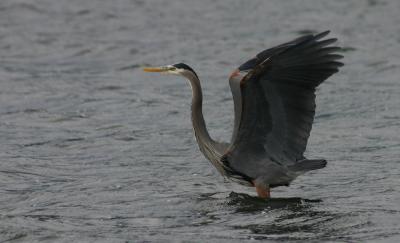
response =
{"points": [[156, 69]]}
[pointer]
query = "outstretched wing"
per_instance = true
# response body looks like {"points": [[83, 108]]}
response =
{"points": [[275, 102]]}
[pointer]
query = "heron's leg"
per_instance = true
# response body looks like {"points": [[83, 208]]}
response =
{"points": [[262, 190]]}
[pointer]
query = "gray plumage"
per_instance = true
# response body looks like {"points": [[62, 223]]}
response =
{"points": [[274, 96]]}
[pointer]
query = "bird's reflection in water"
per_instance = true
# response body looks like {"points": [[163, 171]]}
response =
{"points": [[291, 218], [282, 218], [247, 203]]}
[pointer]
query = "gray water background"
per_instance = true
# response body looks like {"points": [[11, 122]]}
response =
{"points": [[94, 150]]}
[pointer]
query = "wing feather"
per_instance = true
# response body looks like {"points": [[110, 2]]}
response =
{"points": [[275, 103]]}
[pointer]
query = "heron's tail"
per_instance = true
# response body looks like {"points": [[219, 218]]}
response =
{"points": [[308, 164]]}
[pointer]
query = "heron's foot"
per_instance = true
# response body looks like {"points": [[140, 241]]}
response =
{"points": [[263, 191]]}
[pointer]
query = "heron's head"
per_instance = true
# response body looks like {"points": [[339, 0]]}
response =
{"points": [[177, 69]]}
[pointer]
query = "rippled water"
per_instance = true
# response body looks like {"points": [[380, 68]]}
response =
{"points": [[92, 149]]}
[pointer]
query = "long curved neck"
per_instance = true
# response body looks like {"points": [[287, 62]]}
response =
{"points": [[199, 126], [211, 149]]}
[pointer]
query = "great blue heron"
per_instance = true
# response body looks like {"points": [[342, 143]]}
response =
{"points": [[274, 104]]}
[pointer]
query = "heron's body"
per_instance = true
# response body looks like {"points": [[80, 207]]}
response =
{"points": [[274, 104]]}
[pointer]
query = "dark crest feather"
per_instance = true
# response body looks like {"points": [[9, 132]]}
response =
{"points": [[185, 66]]}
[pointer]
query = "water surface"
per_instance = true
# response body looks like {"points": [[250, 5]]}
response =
{"points": [[94, 150]]}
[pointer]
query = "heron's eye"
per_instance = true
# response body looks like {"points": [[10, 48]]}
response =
{"points": [[172, 69]]}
